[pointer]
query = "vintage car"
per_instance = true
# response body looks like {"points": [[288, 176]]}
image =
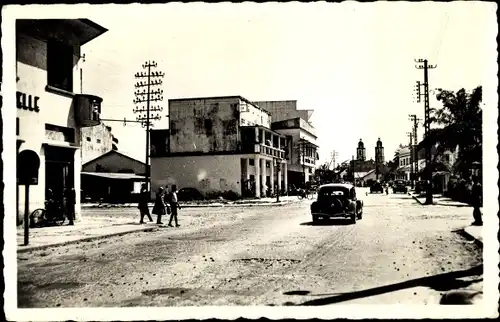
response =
{"points": [[337, 200], [376, 187], [399, 186]]}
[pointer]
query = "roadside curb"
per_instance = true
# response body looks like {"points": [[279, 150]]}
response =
{"points": [[214, 205], [415, 197], [86, 239], [465, 231]]}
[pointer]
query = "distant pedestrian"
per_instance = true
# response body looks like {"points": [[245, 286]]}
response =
{"points": [[477, 200], [70, 198], [174, 205], [159, 206], [143, 204]]}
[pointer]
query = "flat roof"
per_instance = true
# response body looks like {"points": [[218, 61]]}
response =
{"points": [[221, 97]]}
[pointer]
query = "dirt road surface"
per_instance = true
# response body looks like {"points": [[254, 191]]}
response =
{"points": [[400, 252]]}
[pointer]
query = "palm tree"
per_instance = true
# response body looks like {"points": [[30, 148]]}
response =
{"points": [[460, 121]]}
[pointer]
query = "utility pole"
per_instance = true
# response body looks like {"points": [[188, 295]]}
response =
{"points": [[148, 95], [428, 174], [415, 120], [410, 134]]}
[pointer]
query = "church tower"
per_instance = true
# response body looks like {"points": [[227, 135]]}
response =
{"points": [[360, 151], [379, 153]]}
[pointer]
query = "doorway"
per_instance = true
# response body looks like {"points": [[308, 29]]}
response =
{"points": [[59, 171]]}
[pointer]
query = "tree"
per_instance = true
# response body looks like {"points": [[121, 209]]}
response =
{"points": [[460, 121]]}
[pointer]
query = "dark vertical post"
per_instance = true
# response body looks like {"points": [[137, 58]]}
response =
{"points": [[148, 180], [26, 213], [428, 197]]}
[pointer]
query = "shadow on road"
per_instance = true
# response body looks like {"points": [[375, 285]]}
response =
{"points": [[441, 282], [331, 222]]}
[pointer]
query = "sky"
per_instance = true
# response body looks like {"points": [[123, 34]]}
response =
{"points": [[352, 63]]}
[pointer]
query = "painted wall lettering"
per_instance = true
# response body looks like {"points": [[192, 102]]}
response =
{"points": [[31, 105]]}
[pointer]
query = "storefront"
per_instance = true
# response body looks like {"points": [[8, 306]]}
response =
{"points": [[49, 113]]}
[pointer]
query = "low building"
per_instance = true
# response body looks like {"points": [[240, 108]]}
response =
{"points": [[217, 144], [49, 113], [112, 177]]}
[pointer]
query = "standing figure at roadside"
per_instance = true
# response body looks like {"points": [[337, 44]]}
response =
{"points": [[159, 206], [70, 196], [174, 205], [143, 204], [477, 196]]}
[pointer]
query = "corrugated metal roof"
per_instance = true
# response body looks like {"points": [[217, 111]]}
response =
{"points": [[114, 175]]}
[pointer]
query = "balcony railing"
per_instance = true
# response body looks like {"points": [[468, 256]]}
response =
{"points": [[269, 150]]}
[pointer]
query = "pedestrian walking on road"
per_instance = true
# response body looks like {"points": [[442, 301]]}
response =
{"points": [[70, 196], [477, 200], [159, 206], [143, 204], [174, 205]]}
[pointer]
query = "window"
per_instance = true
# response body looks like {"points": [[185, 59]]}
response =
{"points": [[251, 162], [89, 139], [60, 65], [98, 140]]}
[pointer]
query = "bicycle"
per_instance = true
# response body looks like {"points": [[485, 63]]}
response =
{"points": [[52, 214]]}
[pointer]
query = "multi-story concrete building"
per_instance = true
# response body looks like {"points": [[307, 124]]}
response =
{"points": [[296, 126], [302, 150], [49, 113], [284, 110], [96, 141], [218, 144]]}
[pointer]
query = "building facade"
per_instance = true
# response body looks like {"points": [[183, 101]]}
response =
{"points": [[96, 141], [49, 113], [284, 110], [219, 144], [112, 177], [302, 150]]}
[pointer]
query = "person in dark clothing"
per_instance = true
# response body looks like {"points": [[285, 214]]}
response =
{"points": [[70, 197], [477, 200], [159, 206], [143, 204], [174, 205]]}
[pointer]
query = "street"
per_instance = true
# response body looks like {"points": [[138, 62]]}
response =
{"points": [[262, 255]]}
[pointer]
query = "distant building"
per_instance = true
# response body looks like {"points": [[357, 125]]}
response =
{"points": [[112, 177], [50, 114], [218, 144], [96, 141]]}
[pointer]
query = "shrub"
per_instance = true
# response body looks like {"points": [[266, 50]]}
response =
{"points": [[213, 194]]}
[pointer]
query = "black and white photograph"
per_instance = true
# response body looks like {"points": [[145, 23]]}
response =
{"points": [[222, 160]]}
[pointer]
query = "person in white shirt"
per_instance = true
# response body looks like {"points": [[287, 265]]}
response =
{"points": [[174, 205]]}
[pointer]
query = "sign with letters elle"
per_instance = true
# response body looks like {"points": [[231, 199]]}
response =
{"points": [[27, 102]]}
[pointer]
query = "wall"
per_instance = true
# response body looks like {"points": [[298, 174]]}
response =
{"points": [[205, 173], [115, 162], [253, 115], [96, 140], [54, 109], [204, 125], [283, 110]]}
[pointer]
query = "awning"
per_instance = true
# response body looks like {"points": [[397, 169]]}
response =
{"points": [[61, 144], [114, 175]]}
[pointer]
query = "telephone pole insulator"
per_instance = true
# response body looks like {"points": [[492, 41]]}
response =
{"points": [[147, 92]]}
